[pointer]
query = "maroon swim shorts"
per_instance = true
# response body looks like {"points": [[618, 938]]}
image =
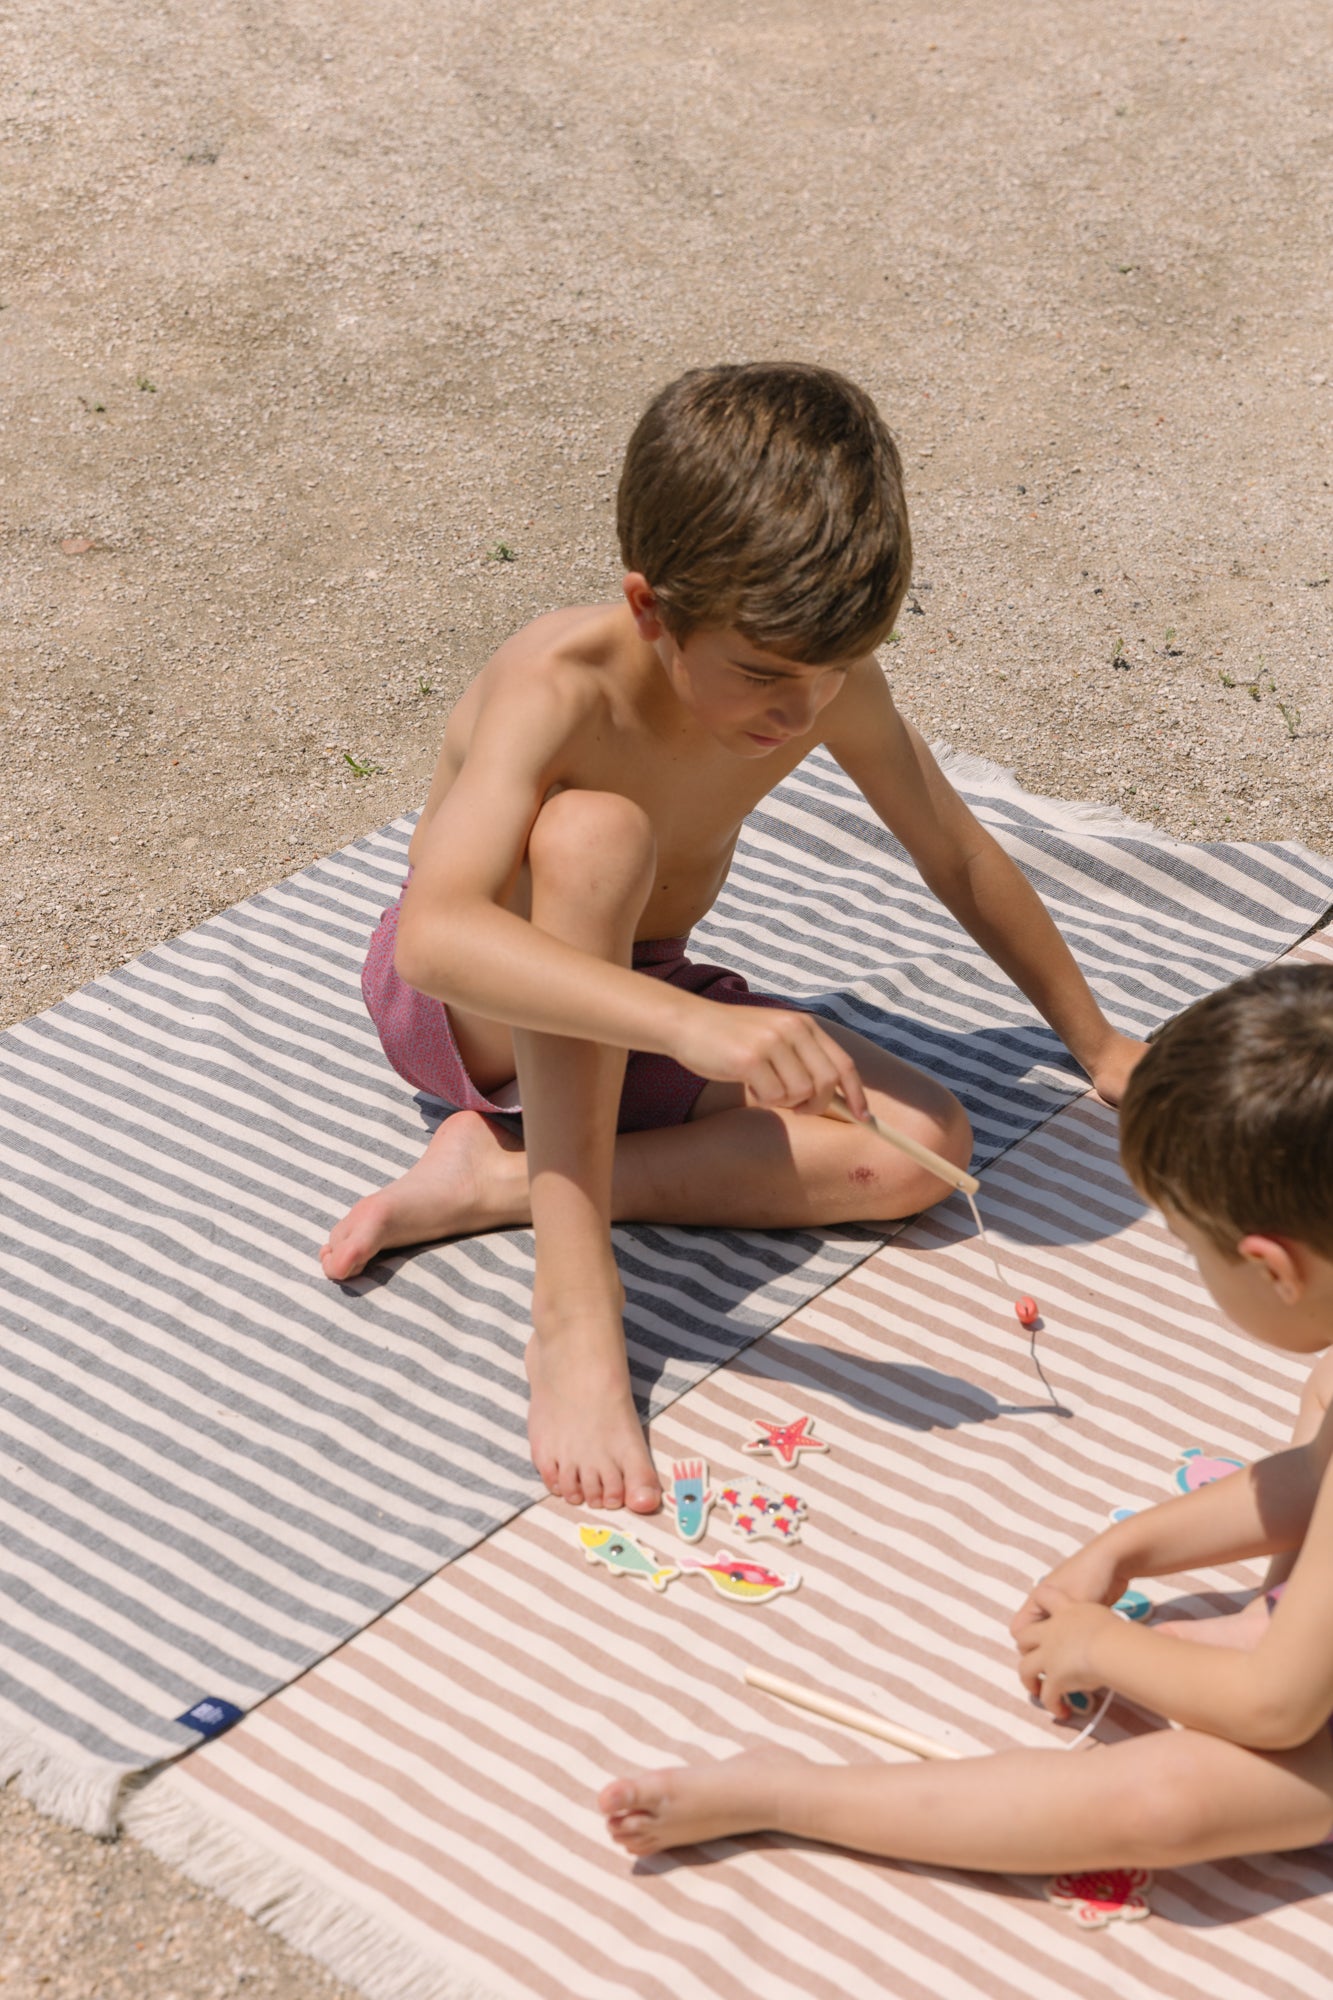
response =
{"points": [[418, 1037]]}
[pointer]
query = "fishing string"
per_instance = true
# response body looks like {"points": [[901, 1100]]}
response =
{"points": [[1088, 1727], [1056, 1404], [1005, 1286], [1042, 1376]]}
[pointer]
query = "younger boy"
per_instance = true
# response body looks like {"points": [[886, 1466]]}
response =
{"points": [[582, 819], [1227, 1124]]}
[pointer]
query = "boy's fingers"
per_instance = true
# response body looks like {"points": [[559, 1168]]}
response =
{"points": [[825, 1076], [766, 1086], [1049, 1597], [795, 1061], [850, 1086]]}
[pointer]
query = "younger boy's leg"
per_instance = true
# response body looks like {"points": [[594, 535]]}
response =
{"points": [[1159, 1801]]}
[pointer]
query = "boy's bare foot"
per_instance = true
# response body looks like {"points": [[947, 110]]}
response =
{"points": [[698, 1802], [471, 1177], [586, 1438]]}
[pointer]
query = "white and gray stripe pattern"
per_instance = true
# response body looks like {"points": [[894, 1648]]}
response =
{"points": [[214, 1466]]}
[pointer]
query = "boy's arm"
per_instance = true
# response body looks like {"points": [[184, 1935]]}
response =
{"points": [[456, 938], [1256, 1512], [1273, 1698], [970, 872], [458, 941]]}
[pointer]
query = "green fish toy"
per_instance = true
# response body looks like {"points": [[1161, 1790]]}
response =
{"points": [[625, 1556]]}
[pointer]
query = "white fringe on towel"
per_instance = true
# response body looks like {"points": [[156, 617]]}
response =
{"points": [[62, 1781], [997, 781], [1093, 821], [365, 1950]]}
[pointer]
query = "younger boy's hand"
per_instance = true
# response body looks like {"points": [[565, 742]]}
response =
{"points": [[1092, 1575], [784, 1058], [1058, 1652], [1114, 1065]]}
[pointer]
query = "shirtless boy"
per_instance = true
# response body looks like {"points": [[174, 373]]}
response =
{"points": [[582, 819]]}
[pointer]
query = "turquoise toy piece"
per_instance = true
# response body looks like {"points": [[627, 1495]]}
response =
{"points": [[690, 1499], [624, 1556]]}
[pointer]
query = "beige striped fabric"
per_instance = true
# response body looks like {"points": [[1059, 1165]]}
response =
{"points": [[418, 1810]]}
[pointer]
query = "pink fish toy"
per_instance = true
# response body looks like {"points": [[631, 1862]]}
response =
{"points": [[744, 1582], [1201, 1468]]}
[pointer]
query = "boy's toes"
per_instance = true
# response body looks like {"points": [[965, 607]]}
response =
{"points": [[642, 1487], [617, 1797], [346, 1253], [340, 1266]]}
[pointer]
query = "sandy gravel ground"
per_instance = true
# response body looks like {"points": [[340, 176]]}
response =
{"points": [[314, 317]]}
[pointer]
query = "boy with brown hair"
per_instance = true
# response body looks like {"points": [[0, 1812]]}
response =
{"points": [[1227, 1124], [582, 818]]}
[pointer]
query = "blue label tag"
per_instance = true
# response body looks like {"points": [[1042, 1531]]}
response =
{"points": [[211, 1716]]}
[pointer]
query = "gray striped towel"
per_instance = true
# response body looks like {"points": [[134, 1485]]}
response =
{"points": [[215, 1465]]}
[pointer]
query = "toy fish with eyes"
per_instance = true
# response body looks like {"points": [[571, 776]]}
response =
{"points": [[1202, 1468], [743, 1581], [623, 1555], [690, 1499]]}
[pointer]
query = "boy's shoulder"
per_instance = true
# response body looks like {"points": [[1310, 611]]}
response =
{"points": [[568, 652], [544, 684]]}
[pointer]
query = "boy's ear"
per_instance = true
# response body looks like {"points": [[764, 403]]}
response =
{"points": [[642, 602], [1282, 1263]]}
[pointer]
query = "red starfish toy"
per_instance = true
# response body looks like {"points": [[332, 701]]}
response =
{"points": [[786, 1441]]}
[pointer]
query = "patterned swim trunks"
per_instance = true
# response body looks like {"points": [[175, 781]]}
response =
{"points": [[418, 1038]]}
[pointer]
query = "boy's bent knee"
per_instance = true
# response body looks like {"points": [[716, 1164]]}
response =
{"points": [[954, 1131], [947, 1130], [580, 834], [945, 1127]]}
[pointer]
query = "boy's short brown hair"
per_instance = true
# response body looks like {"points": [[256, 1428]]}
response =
{"points": [[767, 496], [1228, 1119]]}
